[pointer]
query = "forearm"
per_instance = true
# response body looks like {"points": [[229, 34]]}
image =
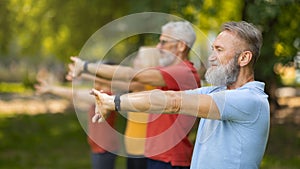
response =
{"points": [[154, 101], [64, 92], [69, 93], [116, 72], [157, 101], [111, 71], [120, 86]]}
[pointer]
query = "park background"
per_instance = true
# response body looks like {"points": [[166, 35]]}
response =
{"points": [[43, 131]]}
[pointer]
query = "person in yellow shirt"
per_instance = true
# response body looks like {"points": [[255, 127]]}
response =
{"points": [[135, 132]]}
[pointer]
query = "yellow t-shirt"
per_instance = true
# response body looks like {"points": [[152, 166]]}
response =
{"points": [[135, 132]]}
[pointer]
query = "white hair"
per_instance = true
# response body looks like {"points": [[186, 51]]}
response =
{"points": [[180, 30]]}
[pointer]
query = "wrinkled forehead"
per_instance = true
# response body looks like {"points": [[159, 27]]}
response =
{"points": [[168, 35], [228, 39]]}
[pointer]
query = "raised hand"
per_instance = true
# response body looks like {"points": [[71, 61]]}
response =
{"points": [[43, 86], [75, 68]]}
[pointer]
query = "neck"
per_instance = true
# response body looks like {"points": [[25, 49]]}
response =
{"points": [[243, 78], [179, 58]]}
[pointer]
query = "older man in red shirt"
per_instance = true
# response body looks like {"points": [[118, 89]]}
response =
{"points": [[167, 144]]}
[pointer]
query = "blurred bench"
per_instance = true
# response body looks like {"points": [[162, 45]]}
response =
{"points": [[287, 92], [288, 96]]}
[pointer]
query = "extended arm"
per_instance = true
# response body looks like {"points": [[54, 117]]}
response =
{"points": [[66, 92], [146, 76], [157, 101], [119, 85]]}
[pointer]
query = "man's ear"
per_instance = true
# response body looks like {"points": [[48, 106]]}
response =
{"points": [[181, 46], [245, 58]]}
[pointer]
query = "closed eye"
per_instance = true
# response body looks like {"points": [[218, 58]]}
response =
{"points": [[217, 49]]}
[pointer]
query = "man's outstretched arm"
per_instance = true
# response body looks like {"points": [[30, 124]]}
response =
{"points": [[103, 70], [116, 72], [157, 101]]}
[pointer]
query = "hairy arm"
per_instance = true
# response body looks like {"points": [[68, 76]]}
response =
{"points": [[116, 72], [66, 92], [119, 85], [111, 71], [157, 101], [147, 76]]}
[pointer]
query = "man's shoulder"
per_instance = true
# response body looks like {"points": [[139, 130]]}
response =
{"points": [[206, 90], [184, 63]]}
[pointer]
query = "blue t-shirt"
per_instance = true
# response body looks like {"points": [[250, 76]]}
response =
{"points": [[238, 140]]}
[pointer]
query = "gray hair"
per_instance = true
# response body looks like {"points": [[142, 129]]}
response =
{"points": [[248, 33], [180, 30]]}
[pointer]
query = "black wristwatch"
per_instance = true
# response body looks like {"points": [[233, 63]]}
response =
{"points": [[85, 66], [117, 103]]}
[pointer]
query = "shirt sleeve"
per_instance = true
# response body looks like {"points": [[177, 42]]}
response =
{"points": [[204, 90], [237, 105]]}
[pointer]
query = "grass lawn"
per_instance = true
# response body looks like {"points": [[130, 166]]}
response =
{"points": [[43, 141], [57, 141], [283, 151]]}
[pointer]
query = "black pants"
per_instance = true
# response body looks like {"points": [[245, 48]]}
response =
{"points": [[137, 162], [103, 160], [154, 164]]}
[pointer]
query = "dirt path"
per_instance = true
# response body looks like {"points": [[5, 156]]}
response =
{"points": [[32, 104], [287, 112]]}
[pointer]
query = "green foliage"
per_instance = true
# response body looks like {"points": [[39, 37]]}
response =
{"points": [[5, 33], [47, 31], [215, 12], [278, 19], [59, 28], [12, 88]]}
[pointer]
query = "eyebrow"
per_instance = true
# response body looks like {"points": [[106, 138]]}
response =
{"points": [[216, 47]]}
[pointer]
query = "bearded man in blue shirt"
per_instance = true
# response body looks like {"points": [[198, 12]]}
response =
{"points": [[235, 113]]}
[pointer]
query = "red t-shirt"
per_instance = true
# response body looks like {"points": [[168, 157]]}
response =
{"points": [[102, 137], [167, 135]]}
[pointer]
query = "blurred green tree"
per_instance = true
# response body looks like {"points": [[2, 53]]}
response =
{"points": [[55, 28], [279, 21], [45, 31]]}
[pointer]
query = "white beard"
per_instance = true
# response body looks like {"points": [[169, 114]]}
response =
{"points": [[223, 74], [166, 58]]}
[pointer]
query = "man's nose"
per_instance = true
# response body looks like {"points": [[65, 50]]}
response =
{"points": [[159, 46], [212, 56]]}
